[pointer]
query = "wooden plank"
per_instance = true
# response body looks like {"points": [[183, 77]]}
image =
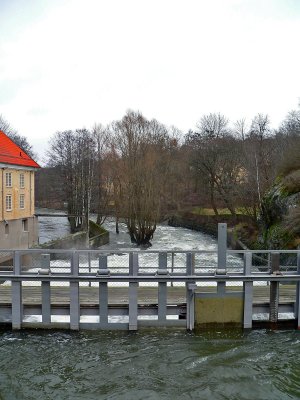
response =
{"points": [[146, 295]]}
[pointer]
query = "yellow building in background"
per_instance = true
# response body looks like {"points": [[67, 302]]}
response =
{"points": [[18, 225]]}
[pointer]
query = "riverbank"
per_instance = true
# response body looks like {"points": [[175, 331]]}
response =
{"points": [[54, 232], [240, 231]]}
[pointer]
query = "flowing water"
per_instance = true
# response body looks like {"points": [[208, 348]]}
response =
{"points": [[165, 238], [149, 364]]}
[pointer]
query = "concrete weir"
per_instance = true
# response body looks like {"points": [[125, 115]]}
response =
{"points": [[222, 307], [96, 289]]}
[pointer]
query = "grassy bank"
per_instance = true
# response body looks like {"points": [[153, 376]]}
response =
{"points": [[221, 211]]}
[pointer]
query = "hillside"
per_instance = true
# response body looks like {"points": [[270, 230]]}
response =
{"points": [[280, 218]]}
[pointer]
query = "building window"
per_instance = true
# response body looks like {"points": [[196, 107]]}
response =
{"points": [[6, 228], [22, 201], [8, 202], [8, 179], [22, 181], [25, 225]]}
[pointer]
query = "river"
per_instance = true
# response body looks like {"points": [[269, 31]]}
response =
{"points": [[149, 364], [165, 238]]}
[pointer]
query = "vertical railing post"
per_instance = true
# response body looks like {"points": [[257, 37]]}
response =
{"points": [[190, 297], [248, 292], [103, 292], [222, 255], [274, 288], [172, 265], [16, 294], [133, 292], [46, 293], [90, 268], [74, 294], [162, 288], [297, 311]]}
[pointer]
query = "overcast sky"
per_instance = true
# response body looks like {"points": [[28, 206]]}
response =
{"points": [[67, 64]]}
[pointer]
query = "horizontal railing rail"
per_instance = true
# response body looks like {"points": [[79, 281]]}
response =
{"points": [[152, 278]]}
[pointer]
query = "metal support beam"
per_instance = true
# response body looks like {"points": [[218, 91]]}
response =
{"points": [[248, 292], [16, 294], [74, 294], [274, 288], [103, 294], [297, 305], [162, 288], [222, 255], [46, 303], [132, 292], [190, 297], [46, 291]]}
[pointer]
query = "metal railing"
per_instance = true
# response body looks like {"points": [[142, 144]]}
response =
{"points": [[124, 290]]}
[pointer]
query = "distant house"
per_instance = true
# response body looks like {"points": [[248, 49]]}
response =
{"points": [[18, 225]]}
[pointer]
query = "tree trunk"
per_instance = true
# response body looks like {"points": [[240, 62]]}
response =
{"points": [[117, 224], [212, 201]]}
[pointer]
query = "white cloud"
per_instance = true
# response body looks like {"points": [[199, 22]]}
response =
{"points": [[81, 62]]}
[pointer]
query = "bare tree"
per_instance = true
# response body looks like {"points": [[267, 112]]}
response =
{"points": [[290, 126], [102, 185], [74, 153], [141, 150], [21, 141], [213, 126], [260, 151], [260, 127], [216, 159], [240, 129]]}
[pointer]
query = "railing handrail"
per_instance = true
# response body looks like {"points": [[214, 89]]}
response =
{"points": [[152, 277], [138, 251]]}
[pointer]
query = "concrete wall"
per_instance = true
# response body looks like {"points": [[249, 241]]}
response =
{"points": [[100, 240], [75, 241], [99, 236], [213, 309], [14, 236]]}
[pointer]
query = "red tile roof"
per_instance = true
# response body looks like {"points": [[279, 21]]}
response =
{"points": [[11, 153]]}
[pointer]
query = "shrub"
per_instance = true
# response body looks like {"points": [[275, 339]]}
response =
{"points": [[291, 182], [292, 221], [290, 161]]}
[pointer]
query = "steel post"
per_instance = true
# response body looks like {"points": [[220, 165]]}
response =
{"points": [[248, 292], [74, 294]]}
